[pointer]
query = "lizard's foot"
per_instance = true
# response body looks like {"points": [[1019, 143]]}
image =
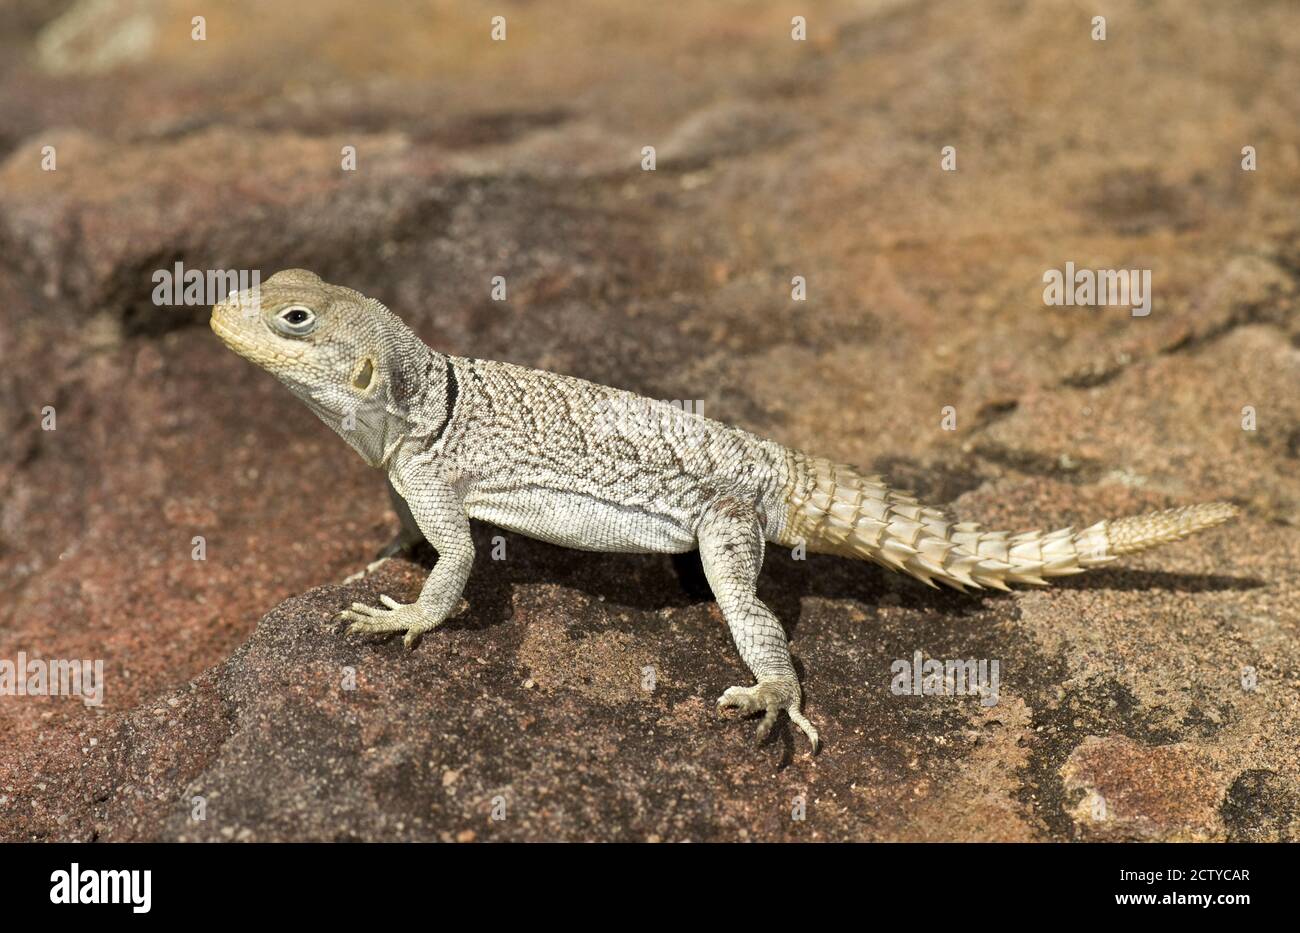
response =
{"points": [[769, 697], [398, 617]]}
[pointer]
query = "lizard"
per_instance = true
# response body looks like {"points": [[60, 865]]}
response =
{"points": [[586, 466]]}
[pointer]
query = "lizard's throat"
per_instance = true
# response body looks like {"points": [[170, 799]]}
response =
{"points": [[368, 427]]}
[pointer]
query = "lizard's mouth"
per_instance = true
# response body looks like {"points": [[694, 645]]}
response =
{"points": [[228, 336], [267, 353], [243, 344]]}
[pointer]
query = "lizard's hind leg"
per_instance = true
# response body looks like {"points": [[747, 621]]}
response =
{"points": [[731, 549]]}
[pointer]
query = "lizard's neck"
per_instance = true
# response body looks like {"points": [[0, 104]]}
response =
{"points": [[412, 399], [426, 393]]}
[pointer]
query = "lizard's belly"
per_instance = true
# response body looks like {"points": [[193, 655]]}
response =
{"points": [[586, 522]]}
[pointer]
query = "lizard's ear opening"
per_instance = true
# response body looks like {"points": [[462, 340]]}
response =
{"points": [[364, 375]]}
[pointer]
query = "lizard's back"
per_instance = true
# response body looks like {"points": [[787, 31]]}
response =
{"points": [[592, 467]]}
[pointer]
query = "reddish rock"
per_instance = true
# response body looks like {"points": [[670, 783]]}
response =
{"points": [[1130, 791]]}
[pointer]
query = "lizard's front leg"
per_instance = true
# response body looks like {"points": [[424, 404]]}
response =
{"points": [[440, 514]]}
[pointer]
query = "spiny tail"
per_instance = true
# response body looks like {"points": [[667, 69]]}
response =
{"points": [[834, 509]]}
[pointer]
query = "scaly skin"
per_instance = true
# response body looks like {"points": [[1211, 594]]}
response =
{"points": [[595, 468]]}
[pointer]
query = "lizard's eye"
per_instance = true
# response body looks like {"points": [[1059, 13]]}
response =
{"points": [[295, 321]]}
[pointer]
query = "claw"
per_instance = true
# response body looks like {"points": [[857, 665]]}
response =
{"points": [[395, 617], [770, 697], [800, 720]]}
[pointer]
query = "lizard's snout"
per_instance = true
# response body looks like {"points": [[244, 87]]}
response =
{"points": [[230, 325], [235, 316], [218, 322]]}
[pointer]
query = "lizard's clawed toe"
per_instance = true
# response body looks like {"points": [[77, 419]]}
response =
{"points": [[799, 719], [744, 699], [769, 697], [396, 617]]}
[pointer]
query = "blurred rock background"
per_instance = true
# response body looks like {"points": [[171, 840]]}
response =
{"points": [[1122, 714]]}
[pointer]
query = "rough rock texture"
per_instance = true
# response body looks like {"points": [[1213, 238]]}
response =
{"points": [[1155, 700]]}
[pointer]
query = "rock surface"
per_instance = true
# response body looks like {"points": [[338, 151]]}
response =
{"points": [[1154, 700]]}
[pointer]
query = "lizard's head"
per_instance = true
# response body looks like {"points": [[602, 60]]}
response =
{"points": [[346, 356], [311, 335]]}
